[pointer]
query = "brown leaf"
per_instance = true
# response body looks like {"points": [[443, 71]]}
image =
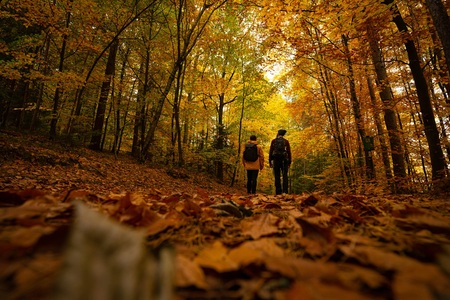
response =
{"points": [[432, 223], [310, 201], [73, 195], [174, 198], [317, 240], [421, 282], [302, 269], [191, 209], [255, 251], [189, 273], [35, 211], [260, 225], [360, 277], [351, 215], [10, 199], [216, 257], [172, 220], [271, 206], [324, 290], [381, 259], [37, 276]]}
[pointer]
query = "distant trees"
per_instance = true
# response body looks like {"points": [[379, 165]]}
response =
{"points": [[330, 42], [185, 82]]}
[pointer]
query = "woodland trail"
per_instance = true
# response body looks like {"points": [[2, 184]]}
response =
{"points": [[77, 224]]}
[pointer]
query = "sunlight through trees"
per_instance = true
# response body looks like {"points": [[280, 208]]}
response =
{"points": [[185, 83]]}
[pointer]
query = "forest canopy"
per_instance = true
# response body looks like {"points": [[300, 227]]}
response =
{"points": [[362, 88]]}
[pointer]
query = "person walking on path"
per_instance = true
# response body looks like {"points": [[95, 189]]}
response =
{"points": [[280, 158], [253, 160]]}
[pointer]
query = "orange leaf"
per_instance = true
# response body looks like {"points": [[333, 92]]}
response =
{"points": [[191, 209], [189, 273], [254, 251], [216, 257]]}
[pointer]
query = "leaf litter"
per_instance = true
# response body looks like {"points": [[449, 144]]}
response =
{"points": [[226, 245]]}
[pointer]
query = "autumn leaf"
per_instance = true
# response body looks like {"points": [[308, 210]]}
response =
{"points": [[216, 257], [189, 273], [310, 201], [317, 240], [348, 246], [260, 225]]}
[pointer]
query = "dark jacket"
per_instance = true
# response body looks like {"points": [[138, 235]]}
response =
{"points": [[288, 150]]}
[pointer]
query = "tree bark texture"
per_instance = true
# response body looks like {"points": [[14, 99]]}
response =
{"points": [[438, 164], [441, 21], [394, 133], [101, 107]]}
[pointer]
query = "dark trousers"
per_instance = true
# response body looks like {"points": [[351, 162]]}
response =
{"points": [[252, 177], [280, 169]]}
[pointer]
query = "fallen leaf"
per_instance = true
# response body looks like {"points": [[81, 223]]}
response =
{"points": [[260, 225], [216, 257], [189, 273]]}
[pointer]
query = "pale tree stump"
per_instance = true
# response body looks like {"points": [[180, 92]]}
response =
{"points": [[107, 260]]}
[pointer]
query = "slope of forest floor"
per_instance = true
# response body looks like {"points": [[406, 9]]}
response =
{"points": [[35, 162], [79, 224]]}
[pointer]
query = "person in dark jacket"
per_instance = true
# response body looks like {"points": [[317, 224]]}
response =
{"points": [[253, 167], [280, 158]]}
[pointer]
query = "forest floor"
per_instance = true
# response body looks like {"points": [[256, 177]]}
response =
{"points": [[79, 224]]}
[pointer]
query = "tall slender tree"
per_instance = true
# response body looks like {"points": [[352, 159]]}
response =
{"points": [[96, 139], [441, 21], [58, 91], [438, 163], [390, 116], [191, 21]]}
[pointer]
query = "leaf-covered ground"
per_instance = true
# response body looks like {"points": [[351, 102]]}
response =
{"points": [[225, 244]]}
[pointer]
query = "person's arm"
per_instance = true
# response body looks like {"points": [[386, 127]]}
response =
{"points": [[271, 154], [261, 158]]}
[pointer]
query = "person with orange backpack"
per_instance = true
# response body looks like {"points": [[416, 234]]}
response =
{"points": [[253, 160]]}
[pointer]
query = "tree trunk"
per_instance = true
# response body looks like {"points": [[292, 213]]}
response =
{"points": [[118, 103], [176, 125], [241, 118], [186, 40], [22, 103], [390, 119], [105, 127], [5, 103], [56, 98], [357, 111], [155, 115], [74, 124], [380, 131], [45, 71], [220, 141], [438, 164], [139, 117], [101, 107], [187, 140], [441, 22], [332, 110]]}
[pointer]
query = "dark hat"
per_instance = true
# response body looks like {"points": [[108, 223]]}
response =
{"points": [[281, 132]]}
